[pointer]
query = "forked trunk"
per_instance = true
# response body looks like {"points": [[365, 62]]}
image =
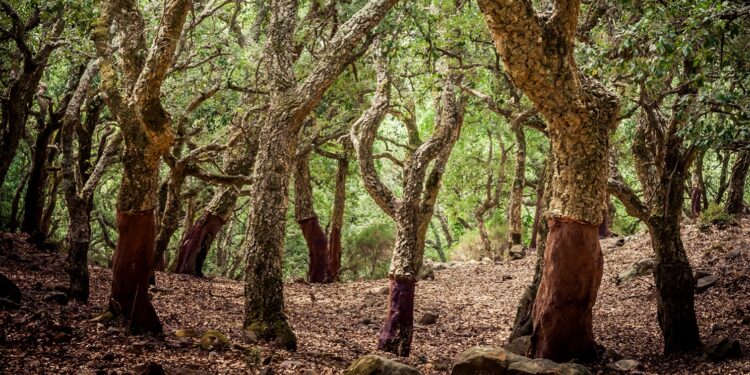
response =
{"points": [[197, 243], [674, 288], [563, 308], [131, 268], [395, 337]]}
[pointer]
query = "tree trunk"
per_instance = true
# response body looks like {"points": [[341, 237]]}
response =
{"points": [[735, 198], [604, 227], [563, 308], [169, 218], [304, 213], [264, 245], [196, 244], [337, 221], [79, 238], [516, 194], [33, 207], [131, 269], [484, 236], [697, 190], [722, 176], [13, 225], [395, 337], [444, 227], [674, 287]]}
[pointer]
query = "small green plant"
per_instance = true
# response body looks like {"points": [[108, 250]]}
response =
{"points": [[716, 215]]}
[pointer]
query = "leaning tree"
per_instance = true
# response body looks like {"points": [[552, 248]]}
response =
{"points": [[537, 52]]}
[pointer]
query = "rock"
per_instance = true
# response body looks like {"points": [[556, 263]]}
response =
{"points": [[723, 348], [187, 371], [733, 254], [700, 273], [151, 368], [373, 365], [112, 330], [745, 320], [427, 272], [625, 365], [185, 333], [545, 366], [266, 371], [107, 316], [439, 266], [213, 340], [483, 360], [429, 318], [519, 345], [487, 260], [59, 298], [10, 295], [517, 252], [640, 268], [292, 364], [705, 282], [378, 291]]}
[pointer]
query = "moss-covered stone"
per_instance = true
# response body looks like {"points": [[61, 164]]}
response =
{"points": [[213, 340], [185, 333], [376, 365], [278, 332]]}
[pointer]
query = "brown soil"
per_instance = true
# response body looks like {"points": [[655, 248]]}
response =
{"points": [[337, 323]]}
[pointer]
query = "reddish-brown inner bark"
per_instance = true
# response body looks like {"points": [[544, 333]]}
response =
{"points": [[196, 244], [563, 308], [695, 201], [334, 255], [132, 264], [317, 246], [395, 337]]}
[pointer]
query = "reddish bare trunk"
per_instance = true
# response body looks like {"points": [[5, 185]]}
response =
{"points": [[695, 201], [196, 244], [395, 337], [317, 246], [334, 255], [132, 264], [563, 307]]}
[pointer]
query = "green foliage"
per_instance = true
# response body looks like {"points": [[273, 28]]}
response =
{"points": [[716, 215], [368, 251]]}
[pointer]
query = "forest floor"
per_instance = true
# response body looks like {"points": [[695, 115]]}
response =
{"points": [[335, 324]]}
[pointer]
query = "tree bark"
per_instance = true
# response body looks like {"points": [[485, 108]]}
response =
{"points": [[304, 213], [722, 176], [290, 104], [735, 197], [698, 189], [515, 230], [197, 241], [337, 221], [538, 56]]}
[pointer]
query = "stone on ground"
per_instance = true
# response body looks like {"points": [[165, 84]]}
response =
{"points": [[375, 365], [482, 360]]}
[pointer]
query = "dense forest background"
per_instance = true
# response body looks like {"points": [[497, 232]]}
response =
{"points": [[248, 104]]}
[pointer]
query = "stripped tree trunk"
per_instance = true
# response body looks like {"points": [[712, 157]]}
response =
{"points": [[538, 56], [304, 214], [337, 221], [132, 85], [698, 189], [413, 212]]}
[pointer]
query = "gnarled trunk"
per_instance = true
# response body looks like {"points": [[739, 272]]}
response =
{"points": [[169, 218], [735, 197], [33, 210], [79, 238], [697, 189]]}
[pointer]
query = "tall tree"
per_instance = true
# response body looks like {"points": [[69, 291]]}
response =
{"points": [[80, 178], [413, 211], [735, 195], [18, 97], [537, 51], [132, 87], [291, 102]]}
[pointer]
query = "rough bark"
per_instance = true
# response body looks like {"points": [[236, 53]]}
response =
{"points": [[538, 56], [413, 211], [516, 193], [196, 243], [722, 188], [337, 221], [290, 104], [735, 194], [697, 188], [132, 85]]}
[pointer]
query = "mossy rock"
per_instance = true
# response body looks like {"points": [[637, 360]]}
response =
{"points": [[277, 332], [484, 360], [213, 340], [376, 365]]}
